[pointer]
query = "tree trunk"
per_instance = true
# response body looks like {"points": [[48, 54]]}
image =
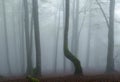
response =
{"points": [[89, 36], [67, 53], [75, 27], [29, 55], [37, 36], [6, 38], [110, 60], [57, 39]]}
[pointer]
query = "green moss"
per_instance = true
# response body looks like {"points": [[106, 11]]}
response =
{"points": [[32, 79]]}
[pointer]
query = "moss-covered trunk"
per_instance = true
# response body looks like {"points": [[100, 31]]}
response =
{"points": [[67, 53]]}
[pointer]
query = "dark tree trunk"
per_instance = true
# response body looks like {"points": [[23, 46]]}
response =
{"points": [[29, 55], [37, 36], [110, 60], [67, 53]]}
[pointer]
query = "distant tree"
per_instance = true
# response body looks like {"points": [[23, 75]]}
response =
{"points": [[57, 39], [6, 38], [28, 51], [110, 59], [37, 36], [67, 53], [104, 15], [110, 25], [89, 35], [75, 38]]}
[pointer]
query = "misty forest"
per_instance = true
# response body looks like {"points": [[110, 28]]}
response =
{"points": [[59, 37]]}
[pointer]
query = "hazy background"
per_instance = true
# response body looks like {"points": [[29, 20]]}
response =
{"points": [[91, 34]]}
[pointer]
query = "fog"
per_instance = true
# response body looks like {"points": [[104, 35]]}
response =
{"points": [[32, 36]]}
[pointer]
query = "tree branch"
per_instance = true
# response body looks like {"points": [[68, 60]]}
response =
{"points": [[103, 13]]}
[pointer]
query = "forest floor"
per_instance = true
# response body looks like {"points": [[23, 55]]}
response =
{"points": [[113, 77], [94, 78]]}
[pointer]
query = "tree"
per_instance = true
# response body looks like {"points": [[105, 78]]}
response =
{"points": [[6, 38], [37, 36], [75, 27], [110, 25], [57, 38], [89, 35], [110, 60], [28, 51], [67, 53]]}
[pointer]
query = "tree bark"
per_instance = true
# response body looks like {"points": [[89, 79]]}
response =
{"points": [[67, 53], [110, 60], [37, 36], [29, 55]]}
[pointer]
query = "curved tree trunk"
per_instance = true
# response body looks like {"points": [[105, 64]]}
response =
{"points": [[67, 53]]}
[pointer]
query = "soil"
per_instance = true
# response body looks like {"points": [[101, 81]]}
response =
{"points": [[71, 78]]}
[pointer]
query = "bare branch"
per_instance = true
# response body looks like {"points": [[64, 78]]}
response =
{"points": [[103, 13]]}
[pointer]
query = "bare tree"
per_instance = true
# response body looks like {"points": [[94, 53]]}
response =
{"points": [[110, 25], [75, 27], [67, 53], [89, 35], [110, 59], [103, 13], [37, 36], [6, 38], [28, 51], [57, 38]]}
